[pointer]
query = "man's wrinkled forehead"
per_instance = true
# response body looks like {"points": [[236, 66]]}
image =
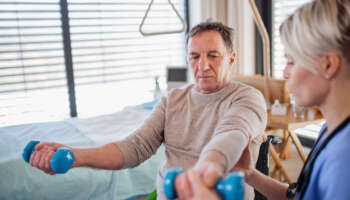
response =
{"points": [[209, 42], [210, 38]]}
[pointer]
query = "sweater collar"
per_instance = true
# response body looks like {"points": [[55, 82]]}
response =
{"points": [[202, 98]]}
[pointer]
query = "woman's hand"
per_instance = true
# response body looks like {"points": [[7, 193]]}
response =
{"points": [[244, 163]]}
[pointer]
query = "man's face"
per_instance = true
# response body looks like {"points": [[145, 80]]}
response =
{"points": [[210, 61]]}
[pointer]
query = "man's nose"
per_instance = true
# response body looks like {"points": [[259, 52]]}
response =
{"points": [[203, 63]]}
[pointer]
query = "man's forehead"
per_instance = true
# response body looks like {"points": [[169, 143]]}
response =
{"points": [[210, 36], [194, 48], [206, 41]]}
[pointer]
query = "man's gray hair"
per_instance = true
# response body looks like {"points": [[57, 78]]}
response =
{"points": [[225, 32]]}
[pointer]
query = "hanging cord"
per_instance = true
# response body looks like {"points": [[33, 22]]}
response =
{"points": [[266, 43], [184, 26]]}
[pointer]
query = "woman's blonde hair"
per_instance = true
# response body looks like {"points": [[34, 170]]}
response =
{"points": [[316, 28]]}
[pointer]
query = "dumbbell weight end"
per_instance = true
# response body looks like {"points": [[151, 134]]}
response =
{"points": [[61, 161], [231, 187]]}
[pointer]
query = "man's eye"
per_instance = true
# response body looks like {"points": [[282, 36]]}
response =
{"points": [[194, 57], [290, 63], [213, 56]]}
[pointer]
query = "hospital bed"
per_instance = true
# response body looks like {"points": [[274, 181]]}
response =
{"points": [[18, 180]]}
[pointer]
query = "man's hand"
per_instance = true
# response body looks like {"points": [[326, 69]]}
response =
{"points": [[108, 156], [190, 185], [42, 155], [210, 172]]}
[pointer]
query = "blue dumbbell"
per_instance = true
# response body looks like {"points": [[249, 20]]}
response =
{"points": [[60, 162], [231, 187]]}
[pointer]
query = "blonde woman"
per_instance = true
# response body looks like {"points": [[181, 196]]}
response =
{"points": [[317, 41]]}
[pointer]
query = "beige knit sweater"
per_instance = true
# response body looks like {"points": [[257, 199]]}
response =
{"points": [[190, 123]]}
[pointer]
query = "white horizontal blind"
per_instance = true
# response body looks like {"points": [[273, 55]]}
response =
{"points": [[114, 65], [281, 9], [32, 71]]}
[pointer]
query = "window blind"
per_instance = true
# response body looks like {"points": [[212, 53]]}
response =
{"points": [[281, 9], [32, 71], [114, 65]]}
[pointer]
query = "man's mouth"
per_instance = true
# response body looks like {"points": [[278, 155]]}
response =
{"points": [[206, 76]]}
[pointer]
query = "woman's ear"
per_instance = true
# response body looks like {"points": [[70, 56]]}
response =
{"points": [[331, 65]]}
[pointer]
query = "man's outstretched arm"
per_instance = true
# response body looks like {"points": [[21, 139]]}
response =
{"points": [[108, 156]]}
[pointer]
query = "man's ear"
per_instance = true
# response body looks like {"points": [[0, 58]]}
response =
{"points": [[232, 57], [331, 65]]}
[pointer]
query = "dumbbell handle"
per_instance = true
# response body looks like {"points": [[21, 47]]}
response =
{"points": [[60, 162], [231, 187]]}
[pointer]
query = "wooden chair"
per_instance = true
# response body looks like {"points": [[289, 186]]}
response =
{"points": [[277, 90]]}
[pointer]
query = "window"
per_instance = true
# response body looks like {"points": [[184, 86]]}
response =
{"points": [[114, 65], [281, 9], [32, 71]]}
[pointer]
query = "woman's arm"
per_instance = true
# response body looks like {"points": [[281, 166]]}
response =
{"points": [[195, 188], [190, 188], [269, 187]]}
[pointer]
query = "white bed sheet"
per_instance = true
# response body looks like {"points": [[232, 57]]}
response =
{"points": [[108, 128], [21, 181]]}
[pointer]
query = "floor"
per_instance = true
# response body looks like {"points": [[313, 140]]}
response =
{"points": [[293, 165]]}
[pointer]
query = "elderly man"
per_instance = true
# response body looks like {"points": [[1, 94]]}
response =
{"points": [[204, 126]]}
